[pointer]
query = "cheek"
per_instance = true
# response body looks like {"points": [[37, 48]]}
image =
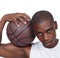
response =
{"points": [[53, 35], [40, 38]]}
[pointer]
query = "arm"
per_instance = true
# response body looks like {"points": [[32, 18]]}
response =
{"points": [[13, 17], [2, 23], [10, 51]]}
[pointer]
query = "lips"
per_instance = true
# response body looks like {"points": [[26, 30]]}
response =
{"points": [[47, 42]]}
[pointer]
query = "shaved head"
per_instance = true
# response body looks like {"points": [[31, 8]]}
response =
{"points": [[41, 16]]}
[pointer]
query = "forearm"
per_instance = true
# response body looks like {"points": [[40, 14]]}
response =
{"points": [[0, 37], [2, 23]]}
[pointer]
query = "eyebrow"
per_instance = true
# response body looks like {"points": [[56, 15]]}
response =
{"points": [[46, 30], [49, 29], [42, 32]]}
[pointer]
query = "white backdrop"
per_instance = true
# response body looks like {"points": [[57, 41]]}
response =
{"points": [[29, 7]]}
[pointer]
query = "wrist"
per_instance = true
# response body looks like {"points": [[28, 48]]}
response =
{"points": [[4, 19]]}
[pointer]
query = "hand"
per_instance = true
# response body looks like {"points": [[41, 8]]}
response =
{"points": [[24, 18]]}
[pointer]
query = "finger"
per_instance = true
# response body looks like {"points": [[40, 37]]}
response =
{"points": [[15, 21], [16, 24], [26, 15], [23, 15], [28, 19], [22, 20]]}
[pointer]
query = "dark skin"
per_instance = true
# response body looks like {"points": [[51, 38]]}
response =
{"points": [[24, 18], [45, 32], [9, 50]]}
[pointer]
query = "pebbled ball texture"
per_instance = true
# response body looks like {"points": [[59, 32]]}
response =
{"points": [[22, 35]]}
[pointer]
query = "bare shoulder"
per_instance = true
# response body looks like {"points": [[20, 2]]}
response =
{"points": [[27, 49], [11, 51]]}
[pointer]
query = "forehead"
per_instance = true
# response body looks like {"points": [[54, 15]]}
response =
{"points": [[43, 26]]}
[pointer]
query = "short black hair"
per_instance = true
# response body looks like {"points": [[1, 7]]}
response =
{"points": [[41, 16]]}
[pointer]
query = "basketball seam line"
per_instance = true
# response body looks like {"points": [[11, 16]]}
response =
{"points": [[11, 30], [22, 32], [19, 33], [23, 42], [25, 38]]}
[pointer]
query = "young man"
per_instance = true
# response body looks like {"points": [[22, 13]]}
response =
{"points": [[45, 29]]}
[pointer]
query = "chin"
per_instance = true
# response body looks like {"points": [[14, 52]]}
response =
{"points": [[48, 46]]}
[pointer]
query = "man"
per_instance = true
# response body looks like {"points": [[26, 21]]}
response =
{"points": [[45, 29]]}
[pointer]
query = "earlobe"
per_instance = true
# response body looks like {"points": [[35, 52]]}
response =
{"points": [[55, 25]]}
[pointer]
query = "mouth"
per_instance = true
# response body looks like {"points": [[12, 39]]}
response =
{"points": [[47, 43]]}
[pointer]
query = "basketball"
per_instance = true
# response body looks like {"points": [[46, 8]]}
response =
{"points": [[21, 35]]}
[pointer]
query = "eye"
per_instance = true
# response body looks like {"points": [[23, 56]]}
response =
{"points": [[50, 30], [39, 33]]}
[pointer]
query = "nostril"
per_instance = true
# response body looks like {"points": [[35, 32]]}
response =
{"points": [[47, 39]]}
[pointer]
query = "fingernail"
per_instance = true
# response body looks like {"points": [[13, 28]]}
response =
{"points": [[25, 22], [18, 25], [28, 19]]}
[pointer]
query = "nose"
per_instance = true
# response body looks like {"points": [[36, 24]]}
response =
{"points": [[46, 36]]}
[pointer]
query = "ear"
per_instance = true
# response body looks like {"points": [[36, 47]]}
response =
{"points": [[55, 25]]}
